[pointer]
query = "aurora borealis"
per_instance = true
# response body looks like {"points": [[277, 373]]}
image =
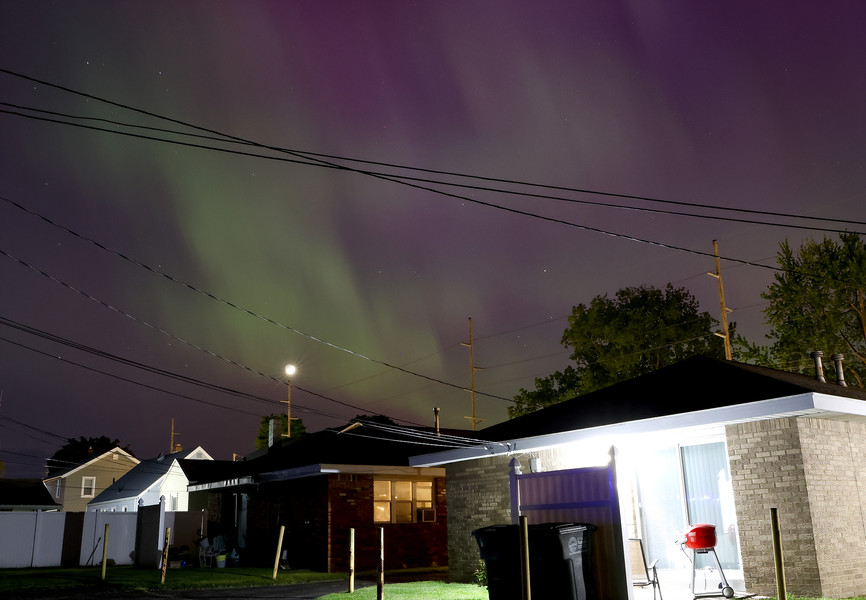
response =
{"points": [[734, 104]]}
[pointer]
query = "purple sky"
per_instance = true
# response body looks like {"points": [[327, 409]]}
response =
{"points": [[744, 105]]}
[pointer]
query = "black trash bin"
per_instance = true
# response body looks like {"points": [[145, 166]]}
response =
{"points": [[499, 546], [559, 561]]}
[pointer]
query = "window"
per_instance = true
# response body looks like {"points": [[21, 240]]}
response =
{"points": [[57, 488], [403, 501], [88, 487]]}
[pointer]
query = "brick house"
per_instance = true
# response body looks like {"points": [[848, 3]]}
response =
{"points": [[320, 486], [700, 441]]}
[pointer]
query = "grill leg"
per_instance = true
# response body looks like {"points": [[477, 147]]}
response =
{"points": [[727, 591]]}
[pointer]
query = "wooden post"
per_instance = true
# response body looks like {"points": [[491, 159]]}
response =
{"points": [[279, 547], [380, 584], [351, 560], [104, 551], [524, 558], [781, 592], [165, 553]]}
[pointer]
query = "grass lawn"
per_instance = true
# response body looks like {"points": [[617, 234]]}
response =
{"points": [[149, 579], [421, 590]]}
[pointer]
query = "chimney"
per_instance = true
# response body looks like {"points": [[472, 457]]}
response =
{"points": [[819, 370], [840, 374]]}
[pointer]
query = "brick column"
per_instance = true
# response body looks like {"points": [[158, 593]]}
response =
{"points": [[767, 471], [477, 497]]}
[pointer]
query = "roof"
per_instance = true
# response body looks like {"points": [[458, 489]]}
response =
{"points": [[361, 449], [698, 391], [74, 468], [146, 474], [695, 383], [25, 494]]}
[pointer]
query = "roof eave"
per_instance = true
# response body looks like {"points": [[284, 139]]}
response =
{"points": [[806, 404]]}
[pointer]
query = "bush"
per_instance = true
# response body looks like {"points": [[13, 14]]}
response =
{"points": [[480, 574]]}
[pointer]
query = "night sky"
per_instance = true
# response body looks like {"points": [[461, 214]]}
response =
{"points": [[364, 283]]}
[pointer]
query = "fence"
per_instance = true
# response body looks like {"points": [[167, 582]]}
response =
{"points": [[53, 539]]}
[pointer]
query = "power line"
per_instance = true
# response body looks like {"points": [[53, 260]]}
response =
{"points": [[184, 378], [330, 157], [408, 181], [212, 296]]}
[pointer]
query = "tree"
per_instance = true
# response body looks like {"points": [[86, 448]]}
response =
{"points": [[298, 429], [639, 330], [77, 452], [818, 302], [381, 419]]}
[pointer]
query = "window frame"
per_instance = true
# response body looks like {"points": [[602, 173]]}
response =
{"points": [[84, 481], [398, 501]]}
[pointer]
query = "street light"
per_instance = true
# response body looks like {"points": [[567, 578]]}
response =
{"points": [[290, 370]]}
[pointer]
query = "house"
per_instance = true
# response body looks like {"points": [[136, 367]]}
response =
{"points": [[25, 495], [148, 481], [74, 487], [701, 441], [320, 486]]}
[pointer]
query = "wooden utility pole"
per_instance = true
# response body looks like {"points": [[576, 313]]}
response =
{"points": [[473, 419], [725, 310], [172, 448]]}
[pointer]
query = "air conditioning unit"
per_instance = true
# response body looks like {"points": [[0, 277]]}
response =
{"points": [[427, 515]]}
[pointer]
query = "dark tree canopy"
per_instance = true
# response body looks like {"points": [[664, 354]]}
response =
{"points": [[298, 429], [382, 419], [639, 330], [77, 452], [817, 302]]}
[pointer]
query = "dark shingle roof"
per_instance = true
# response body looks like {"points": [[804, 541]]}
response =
{"points": [[25, 493], [363, 445], [696, 383]]}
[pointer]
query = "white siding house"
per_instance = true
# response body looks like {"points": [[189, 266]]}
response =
{"points": [[147, 482]]}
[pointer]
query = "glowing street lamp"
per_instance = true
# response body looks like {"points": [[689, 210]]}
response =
{"points": [[290, 370]]}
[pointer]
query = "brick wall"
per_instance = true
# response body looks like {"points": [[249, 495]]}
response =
{"points": [[767, 472], [814, 472], [478, 495], [407, 545], [833, 461]]}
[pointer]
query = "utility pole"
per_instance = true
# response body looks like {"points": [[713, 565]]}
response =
{"points": [[171, 442], [473, 419], [725, 310]]}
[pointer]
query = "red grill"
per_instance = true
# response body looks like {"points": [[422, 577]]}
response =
{"points": [[701, 539], [701, 536]]}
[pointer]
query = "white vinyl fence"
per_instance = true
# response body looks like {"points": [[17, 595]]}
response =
{"points": [[121, 538], [31, 539], [53, 539]]}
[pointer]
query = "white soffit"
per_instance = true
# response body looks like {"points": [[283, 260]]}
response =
{"points": [[809, 404]]}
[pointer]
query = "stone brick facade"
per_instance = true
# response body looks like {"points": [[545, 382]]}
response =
{"points": [[813, 471]]}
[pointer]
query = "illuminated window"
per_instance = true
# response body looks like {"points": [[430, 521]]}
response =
{"points": [[88, 487], [403, 501]]}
